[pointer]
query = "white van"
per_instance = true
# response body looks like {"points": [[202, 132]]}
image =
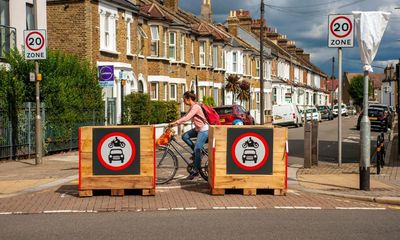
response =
{"points": [[286, 114]]}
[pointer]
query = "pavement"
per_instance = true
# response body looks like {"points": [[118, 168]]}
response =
{"points": [[24, 185]]}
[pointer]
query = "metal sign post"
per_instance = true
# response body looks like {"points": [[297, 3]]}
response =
{"points": [[341, 35], [35, 49]]}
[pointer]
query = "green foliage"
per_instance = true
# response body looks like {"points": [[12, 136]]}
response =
{"points": [[139, 110], [69, 89], [208, 100], [136, 109], [356, 89], [233, 85], [244, 93]]}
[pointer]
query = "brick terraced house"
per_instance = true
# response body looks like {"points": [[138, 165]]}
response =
{"points": [[163, 51]]}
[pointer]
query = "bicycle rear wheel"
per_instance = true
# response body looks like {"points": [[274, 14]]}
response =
{"points": [[166, 165]]}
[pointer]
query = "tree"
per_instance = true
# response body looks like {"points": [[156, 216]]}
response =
{"points": [[244, 92], [232, 85], [356, 89]]}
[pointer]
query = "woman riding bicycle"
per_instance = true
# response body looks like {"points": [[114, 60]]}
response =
{"points": [[200, 130]]}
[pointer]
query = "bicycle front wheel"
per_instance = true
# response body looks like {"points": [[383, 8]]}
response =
{"points": [[166, 165]]}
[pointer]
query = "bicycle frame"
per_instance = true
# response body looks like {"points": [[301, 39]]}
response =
{"points": [[172, 146]]}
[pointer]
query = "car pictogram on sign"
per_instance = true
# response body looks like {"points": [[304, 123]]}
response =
{"points": [[116, 155], [249, 155]]}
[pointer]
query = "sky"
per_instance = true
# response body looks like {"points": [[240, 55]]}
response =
{"points": [[306, 22]]}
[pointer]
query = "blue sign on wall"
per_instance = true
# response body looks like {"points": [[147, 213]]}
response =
{"points": [[106, 76]]}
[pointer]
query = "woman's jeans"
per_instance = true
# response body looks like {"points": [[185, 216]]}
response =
{"points": [[202, 138]]}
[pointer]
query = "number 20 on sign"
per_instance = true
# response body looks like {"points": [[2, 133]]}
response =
{"points": [[35, 44], [341, 31]]}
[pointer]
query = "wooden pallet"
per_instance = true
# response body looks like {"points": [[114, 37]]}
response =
{"points": [[116, 192], [248, 191]]}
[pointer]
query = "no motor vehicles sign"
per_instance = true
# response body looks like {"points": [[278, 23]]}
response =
{"points": [[35, 44], [341, 31]]}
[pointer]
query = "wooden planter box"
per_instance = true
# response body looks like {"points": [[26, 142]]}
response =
{"points": [[248, 158], [116, 158]]}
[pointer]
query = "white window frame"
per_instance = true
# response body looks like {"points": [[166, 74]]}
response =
{"points": [[244, 64], [192, 52], [202, 53], [210, 59], [215, 57], [172, 91], [108, 19], [165, 42], [257, 68], [182, 47], [234, 62], [155, 39], [258, 100], [156, 90], [172, 45], [141, 36], [165, 85], [223, 56]]}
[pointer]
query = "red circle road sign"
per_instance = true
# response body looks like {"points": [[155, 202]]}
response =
{"points": [[113, 149], [32, 43], [253, 155], [337, 27]]}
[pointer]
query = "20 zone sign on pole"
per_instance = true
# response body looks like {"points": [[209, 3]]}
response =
{"points": [[35, 44], [341, 31]]}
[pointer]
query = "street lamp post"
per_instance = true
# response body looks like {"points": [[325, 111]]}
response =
{"points": [[123, 83]]}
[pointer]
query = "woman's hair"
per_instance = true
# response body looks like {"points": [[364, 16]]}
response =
{"points": [[190, 95]]}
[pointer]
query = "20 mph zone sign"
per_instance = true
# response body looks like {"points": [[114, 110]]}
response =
{"points": [[35, 44], [341, 31]]}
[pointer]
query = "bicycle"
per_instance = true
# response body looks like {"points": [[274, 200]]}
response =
{"points": [[167, 159]]}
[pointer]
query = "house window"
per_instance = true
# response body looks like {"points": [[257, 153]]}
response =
{"points": [[234, 61], [165, 42], [257, 68], [172, 45], [244, 65], [182, 50], [215, 57], [154, 91], [274, 96], [202, 93], [140, 87], [108, 18], [155, 38], [165, 85], [128, 37], [202, 53], [257, 100], [210, 60], [141, 36], [172, 92], [216, 96], [4, 13], [223, 58], [30, 17], [192, 52], [265, 70]]}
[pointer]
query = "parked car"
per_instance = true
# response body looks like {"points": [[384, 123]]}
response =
{"points": [[229, 113], [336, 110], [351, 110], [386, 109], [286, 115], [378, 117], [312, 114], [326, 112]]}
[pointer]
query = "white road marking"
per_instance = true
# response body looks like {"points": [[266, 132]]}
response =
{"points": [[219, 208], [294, 192], [62, 195], [191, 208], [181, 209], [162, 209], [248, 207], [6, 213], [69, 211], [359, 208], [297, 207]]}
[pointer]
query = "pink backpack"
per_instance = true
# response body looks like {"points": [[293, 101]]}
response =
{"points": [[212, 116]]}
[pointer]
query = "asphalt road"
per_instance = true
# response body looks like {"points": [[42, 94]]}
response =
{"points": [[328, 142], [206, 224]]}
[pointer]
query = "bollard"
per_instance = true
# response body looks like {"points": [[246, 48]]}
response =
{"points": [[307, 144], [314, 143]]}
